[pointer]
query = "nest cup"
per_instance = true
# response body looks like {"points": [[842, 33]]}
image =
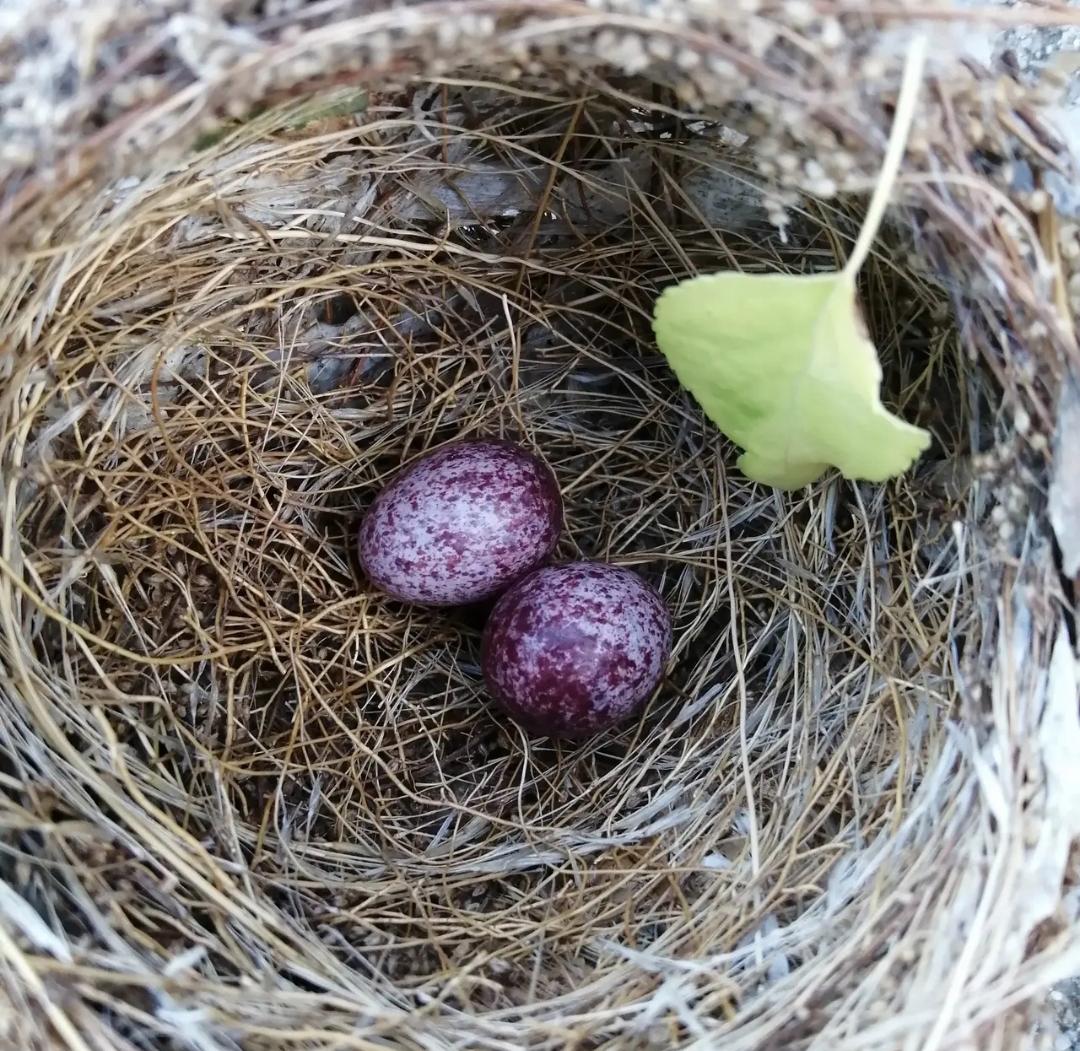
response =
{"points": [[249, 802]]}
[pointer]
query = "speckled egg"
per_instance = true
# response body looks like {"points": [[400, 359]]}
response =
{"points": [[461, 524], [574, 649]]}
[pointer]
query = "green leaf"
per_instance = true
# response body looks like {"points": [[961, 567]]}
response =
{"points": [[783, 366]]}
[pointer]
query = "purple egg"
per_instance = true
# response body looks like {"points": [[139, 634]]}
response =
{"points": [[574, 649], [461, 524]]}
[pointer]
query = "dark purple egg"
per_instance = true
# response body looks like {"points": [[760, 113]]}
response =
{"points": [[574, 649], [461, 524]]}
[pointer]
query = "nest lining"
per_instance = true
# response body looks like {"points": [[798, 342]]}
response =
{"points": [[243, 354], [211, 482]]}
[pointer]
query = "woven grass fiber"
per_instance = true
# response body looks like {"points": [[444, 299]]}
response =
{"points": [[256, 256]]}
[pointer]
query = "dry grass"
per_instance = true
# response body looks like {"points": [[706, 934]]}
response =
{"points": [[247, 802]]}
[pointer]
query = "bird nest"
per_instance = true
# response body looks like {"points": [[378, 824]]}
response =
{"points": [[249, 802]]}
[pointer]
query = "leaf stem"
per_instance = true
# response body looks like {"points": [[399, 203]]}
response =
{"points": [[894, 154]]}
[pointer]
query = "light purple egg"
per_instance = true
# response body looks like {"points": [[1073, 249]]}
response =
{"points": [[574, 649], [461, 524]]}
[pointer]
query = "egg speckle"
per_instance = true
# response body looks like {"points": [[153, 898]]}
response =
{"points": [[574, 649], [461, 524]]}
